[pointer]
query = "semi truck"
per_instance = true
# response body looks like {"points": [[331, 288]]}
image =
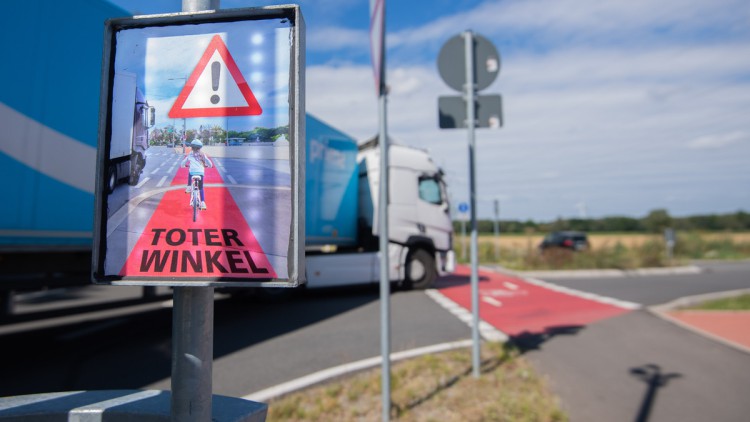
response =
{"points": [[341, 211], [132, 117], [49, 113], [49, 109]]}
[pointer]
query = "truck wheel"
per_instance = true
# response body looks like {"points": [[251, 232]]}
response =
{"points": [[135, 170], [111, 179], [420, 270]]}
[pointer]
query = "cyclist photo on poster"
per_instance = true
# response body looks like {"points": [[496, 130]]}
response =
{"points": [[197, 161]]}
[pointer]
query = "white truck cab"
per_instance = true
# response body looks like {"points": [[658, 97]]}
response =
{"points": [[420, 229]]}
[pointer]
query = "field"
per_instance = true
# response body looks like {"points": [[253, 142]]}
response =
{"points": [[608, 250], [597, 240]]}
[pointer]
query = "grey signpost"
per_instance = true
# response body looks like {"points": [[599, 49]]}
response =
{"points": [[669, 240], [193, 329], [231, 263], [481, 64], [497, 231]]}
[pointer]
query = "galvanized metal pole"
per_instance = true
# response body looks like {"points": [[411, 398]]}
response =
{"points": [[470, 111], [192, 353], [193, 329], [385, 279], [200, 5], [463, 237]]}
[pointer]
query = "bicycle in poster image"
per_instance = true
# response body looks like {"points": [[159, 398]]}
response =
{"points": [[195, 196]]}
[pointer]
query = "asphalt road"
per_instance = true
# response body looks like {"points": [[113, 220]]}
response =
{"points": [[640, 367], [656, 290], [255, 345], [630, 367]]}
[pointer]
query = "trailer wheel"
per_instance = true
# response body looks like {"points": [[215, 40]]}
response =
{"points": [[420, 270], [111, 179]]}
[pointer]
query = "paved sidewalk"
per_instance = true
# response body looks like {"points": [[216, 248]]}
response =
{"points": [[728, 327], [731, 326]]}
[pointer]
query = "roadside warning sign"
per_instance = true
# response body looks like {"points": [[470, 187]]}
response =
{"points": [[216, 88], [194, 196]]}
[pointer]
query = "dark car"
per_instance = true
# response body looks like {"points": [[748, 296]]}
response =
{"points": [[576, 241]]}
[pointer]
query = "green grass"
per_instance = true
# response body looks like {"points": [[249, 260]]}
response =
{"points": [[436, 387], [737, 303]]}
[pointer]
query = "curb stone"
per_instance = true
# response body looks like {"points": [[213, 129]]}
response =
{"points": [[689, 269]]}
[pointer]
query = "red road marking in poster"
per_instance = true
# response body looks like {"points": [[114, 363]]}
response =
{"points": [[209, 92], [517, 307], [219, 244]]}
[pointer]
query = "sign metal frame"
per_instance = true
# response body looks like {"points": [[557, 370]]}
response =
{"points": [[296, 136]]}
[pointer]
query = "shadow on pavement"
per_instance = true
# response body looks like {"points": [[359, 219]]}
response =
{"points": [[655, 379], [532, 341], [134, 350], [457, 280]]}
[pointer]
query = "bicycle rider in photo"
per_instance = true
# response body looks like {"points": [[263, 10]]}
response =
{"points": [[198, 162]]}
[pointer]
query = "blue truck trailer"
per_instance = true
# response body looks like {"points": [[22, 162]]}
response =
{"points": [[49, 115]]}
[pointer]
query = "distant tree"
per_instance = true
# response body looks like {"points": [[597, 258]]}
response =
{"points": [[618, 224], [657, 220], [580, 224]]}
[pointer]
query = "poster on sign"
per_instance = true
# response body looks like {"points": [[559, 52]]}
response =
{"points": [[201, 150]]}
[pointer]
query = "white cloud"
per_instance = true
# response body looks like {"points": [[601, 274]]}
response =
{"points": [[718, 140], [336, 38], [616, 102], [599, 105], [583, 20]]}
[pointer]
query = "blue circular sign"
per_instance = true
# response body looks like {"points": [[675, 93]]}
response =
{"points": [[463, 207]]}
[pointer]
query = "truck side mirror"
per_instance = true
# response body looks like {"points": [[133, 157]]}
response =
{"points": [[149, 117]]}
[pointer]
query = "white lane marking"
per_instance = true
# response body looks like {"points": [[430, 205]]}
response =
{"points": [[140, 185], [509, 285], [487, 331], [231, 179], [337, 371], [504, 293], [585, 295], [161, 182], [492, 301]]}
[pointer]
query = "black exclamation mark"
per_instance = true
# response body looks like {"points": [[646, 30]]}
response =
{"points": [[215, 70]]}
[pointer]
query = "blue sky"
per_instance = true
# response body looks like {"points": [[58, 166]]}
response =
{"points": [[610, 108], [165, 57]]}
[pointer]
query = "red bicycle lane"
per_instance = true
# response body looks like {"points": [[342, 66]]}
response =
{"points": [[219, 245], [520, 307]]}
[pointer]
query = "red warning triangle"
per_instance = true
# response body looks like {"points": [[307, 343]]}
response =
{"points": [[215, 90]]}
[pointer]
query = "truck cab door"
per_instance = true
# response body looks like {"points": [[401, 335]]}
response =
{"points": [[433, 211]]}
